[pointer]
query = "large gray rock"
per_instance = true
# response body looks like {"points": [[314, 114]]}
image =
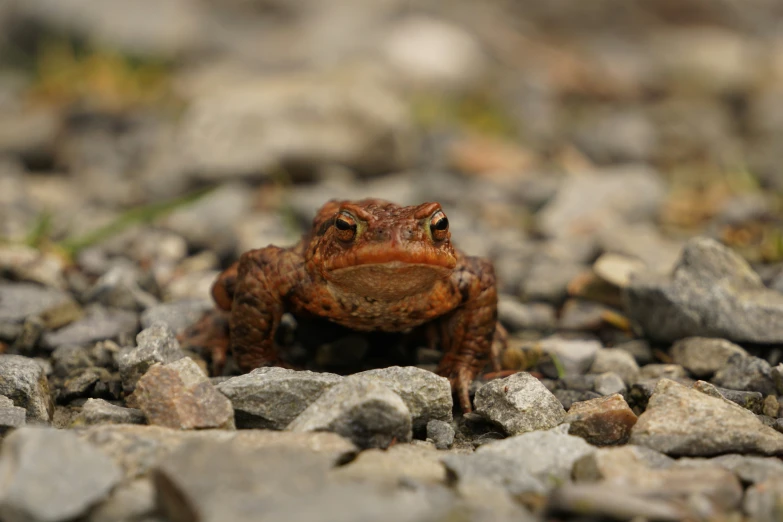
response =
{"points": [[680, 421], [156, 344], [23, 381], [368, 413], [426, 394], [712, 292], [272, 397], [519, 403], [51, 475], [703, 356]]}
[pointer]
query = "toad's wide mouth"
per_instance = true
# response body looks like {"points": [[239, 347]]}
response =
{"points": [[389, 281], [386, 260]]}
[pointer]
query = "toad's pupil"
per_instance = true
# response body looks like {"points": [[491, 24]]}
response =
{"points": [[441, 224], [343, 224]]}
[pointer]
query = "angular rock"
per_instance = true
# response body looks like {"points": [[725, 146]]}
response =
{"points": [[426, 394], [50, 475], [752, 401], [90, 382], [179, 395], [684, 422], [10, 416], [178, 315], [618, 361], [24, 381], [519, 403], [703, 356], [712, 292], [271, 397], [137, 449], [547, 455], [363, 411], [440, 433], [603, 421], [155, 344], [99, 324], [747, 373], [98, 411]]}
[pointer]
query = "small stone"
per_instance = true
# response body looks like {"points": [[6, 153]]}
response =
{"points": [[69, 358], [24, 381], [658, 371], [713, 292], [603, 421], [178, 315], [179, 395], [617, 269], [547, 280], [121, 287], [99, 411], [88, 382], [771, 406], [639, 349], [519, 403], [526, 316], [618, 361], [684, 422], [52, 475], [155, 344], [363, 411], [745, 372], [574, 356], [18, 301], [441, 433], [703, 356], [568, 397], [495, 469], [583, 315], [426, 394], [10, 416], [609, 383], [271, 398], [99, 324]]}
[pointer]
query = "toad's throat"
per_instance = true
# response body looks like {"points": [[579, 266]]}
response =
{"points": [[390, 281]]}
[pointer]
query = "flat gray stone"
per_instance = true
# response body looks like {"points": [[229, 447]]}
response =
{"points": [[24, 381], [51, 475], [519, 403], [271, 397], [681, 421], [18, 301], [156, 344], [712, 292], [363, 411], [618, 361], [427, 395], [703, 356]]}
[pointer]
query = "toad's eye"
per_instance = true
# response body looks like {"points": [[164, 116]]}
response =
{"points": [[439, 225], [346, 226]]}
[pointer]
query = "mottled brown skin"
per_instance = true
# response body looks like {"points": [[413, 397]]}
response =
{"points": [[368, 265]]}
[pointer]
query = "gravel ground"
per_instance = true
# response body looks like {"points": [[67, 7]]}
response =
{"points": [[619, 164]]}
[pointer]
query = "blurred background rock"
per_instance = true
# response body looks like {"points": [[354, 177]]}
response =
{"points": [[179, 133]]}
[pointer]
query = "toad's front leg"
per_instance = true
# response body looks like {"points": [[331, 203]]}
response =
{"points": [[467, 333], [264, 277]]}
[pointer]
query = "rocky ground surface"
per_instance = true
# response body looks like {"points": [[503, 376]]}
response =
{"points": [[619, 163]]}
